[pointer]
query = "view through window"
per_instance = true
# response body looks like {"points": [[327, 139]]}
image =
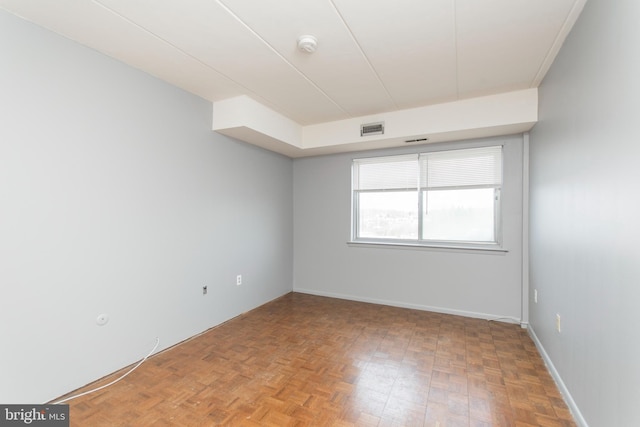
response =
{"points": [[426, 198]]}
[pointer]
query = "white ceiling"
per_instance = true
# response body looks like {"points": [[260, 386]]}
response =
{"points": [[373, 57]]}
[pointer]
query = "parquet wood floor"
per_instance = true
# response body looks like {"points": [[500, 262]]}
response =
{"points": [[305, 360]]}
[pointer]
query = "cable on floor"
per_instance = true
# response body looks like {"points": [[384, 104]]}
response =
{"points": [[114, 381]]}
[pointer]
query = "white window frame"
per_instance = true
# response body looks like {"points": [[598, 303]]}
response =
{"points": [[420, 187]]}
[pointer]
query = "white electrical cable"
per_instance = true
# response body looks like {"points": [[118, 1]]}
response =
{"points": [[513, 320], [114, 381]]}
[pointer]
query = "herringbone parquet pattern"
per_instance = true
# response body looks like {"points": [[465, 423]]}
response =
{"points": [[304, 360]]}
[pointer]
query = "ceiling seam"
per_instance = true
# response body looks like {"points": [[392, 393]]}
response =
{"points": [[119, 15], [304, 76], [364, 55], [566, 27], [455, 46]]}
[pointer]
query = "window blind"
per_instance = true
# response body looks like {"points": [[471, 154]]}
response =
{"points": [[476, 167], [386, 173]]}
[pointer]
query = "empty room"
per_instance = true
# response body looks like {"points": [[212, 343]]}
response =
{"points": [[319, 212]]}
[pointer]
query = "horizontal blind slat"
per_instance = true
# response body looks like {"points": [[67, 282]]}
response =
{"points": [[459, 168], [386, 173]]}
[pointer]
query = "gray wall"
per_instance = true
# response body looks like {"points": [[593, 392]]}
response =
{"points": [[117, 198], [585, 210], [460, 282]]}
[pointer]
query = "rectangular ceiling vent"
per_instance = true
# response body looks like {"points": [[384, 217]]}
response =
{"points": [[372, 129]]}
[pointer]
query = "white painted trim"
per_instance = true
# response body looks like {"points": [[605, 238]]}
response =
{"points": [[472, 314], [573, 407], [494, 250], [525, 229], [568, 24]]}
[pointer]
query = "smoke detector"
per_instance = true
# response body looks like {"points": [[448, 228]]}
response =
{"points": [[307, 44]]}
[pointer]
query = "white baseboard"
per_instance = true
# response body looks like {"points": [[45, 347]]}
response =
{"points": [[575, 411], [476, 315]]}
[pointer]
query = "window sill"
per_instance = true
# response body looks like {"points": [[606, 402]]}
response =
{"points": [[430, 247]]}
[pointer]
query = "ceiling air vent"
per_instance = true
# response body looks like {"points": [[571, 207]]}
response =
{"points": [[372, 129]]}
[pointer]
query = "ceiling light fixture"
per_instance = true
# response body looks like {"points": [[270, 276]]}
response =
{"points": [[307, 44]]}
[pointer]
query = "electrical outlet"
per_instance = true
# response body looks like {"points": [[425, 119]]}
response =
{"points": [[204, 290], [238, 280], [535, 296], [558, 325]]}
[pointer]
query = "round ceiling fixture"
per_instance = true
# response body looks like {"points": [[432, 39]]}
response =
{"points": [[307, 44]]}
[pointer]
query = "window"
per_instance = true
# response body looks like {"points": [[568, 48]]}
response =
{"points": [[435, 198]]}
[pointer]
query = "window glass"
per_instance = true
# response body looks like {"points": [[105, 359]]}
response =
{"points": [[427, 198], [461, 215], [388, 215]]}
